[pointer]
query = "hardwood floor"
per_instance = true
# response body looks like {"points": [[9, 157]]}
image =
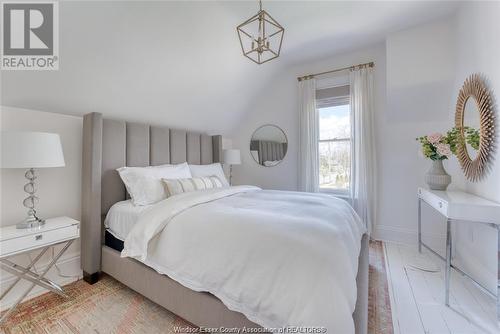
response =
{"points": [[417, 297]]}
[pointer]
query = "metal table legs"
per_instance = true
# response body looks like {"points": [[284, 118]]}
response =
{"points": [[447, 270], [34, 278], [448, 259], [419, 225]]}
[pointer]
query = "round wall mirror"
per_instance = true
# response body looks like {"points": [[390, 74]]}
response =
{"points": [[474, 120], [268, 145]]}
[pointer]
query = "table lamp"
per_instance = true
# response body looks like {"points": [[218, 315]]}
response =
{"points": [[30, 150], [232, 157]]}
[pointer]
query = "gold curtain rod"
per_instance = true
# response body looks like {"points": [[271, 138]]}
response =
{"points": [[310, 76]]}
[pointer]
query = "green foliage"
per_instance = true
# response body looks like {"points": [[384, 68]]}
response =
{"points": [[473, 137], [454, 138]]}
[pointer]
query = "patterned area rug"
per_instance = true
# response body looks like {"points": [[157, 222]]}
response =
{"points": [[379, 303], [110, 307]]}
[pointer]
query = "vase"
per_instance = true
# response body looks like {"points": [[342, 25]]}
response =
{"points": [[437, 178]]}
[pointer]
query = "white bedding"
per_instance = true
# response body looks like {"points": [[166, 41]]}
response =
{"points": [[122, 217], [280, 258]]}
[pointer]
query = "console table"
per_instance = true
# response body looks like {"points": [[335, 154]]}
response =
{"points": [[13, 241], [458, 206]]}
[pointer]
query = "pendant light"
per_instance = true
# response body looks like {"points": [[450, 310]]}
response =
{"points": [[261, 37]]}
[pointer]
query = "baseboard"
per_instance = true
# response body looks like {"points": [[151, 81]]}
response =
{"points": [[394, 234], [408, 237], [69, 265]]}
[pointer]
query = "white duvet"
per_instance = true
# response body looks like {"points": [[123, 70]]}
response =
{"points": [[281, 258]]}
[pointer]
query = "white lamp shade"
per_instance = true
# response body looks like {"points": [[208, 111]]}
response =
{"points": [[232, 157], [30, 150]]}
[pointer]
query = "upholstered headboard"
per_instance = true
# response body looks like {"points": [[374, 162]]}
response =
{"points": [[269, 150], [110, 144]]}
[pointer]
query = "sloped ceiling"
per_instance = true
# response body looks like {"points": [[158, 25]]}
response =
{"points": [[179, 63]]}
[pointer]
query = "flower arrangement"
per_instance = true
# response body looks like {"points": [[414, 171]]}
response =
{"points": [[440, 147], [436, 146]]}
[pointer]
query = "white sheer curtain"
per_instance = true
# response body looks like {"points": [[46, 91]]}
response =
{"points": [[309, 135], [363, 168]]}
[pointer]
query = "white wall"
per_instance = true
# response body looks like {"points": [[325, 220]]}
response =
{"points": [[478, 51], [277, 104], [420, 76], [57, 188]]}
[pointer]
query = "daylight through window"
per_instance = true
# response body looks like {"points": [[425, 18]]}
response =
{"points": [[335, 147]]}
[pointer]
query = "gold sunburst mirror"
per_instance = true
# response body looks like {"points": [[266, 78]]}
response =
{"points": [[475, 122]]}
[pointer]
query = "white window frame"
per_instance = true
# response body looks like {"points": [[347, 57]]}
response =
{"points": [[326, 103]]}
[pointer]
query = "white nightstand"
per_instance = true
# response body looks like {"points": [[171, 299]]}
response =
{"points": [[60, 230]]}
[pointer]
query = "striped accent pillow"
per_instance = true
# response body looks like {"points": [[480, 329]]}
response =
{"points": [[179, 186]]}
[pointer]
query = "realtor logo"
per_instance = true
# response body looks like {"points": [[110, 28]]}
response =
{"points": [[30, 36]]}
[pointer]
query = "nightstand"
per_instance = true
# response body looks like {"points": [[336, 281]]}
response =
{"points": [[60, 230]]}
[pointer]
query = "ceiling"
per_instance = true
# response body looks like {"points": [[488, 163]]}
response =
{"points": [[179, 63]]}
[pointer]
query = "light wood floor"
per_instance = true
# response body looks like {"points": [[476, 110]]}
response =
{"points": [[417, 298]]}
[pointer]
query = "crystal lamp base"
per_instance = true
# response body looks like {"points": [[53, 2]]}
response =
{"points": [[30, 222]]}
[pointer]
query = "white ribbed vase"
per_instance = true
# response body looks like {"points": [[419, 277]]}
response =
{"points": [[437, 178]]}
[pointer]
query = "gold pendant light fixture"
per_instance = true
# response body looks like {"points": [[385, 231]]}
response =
{"points": [[260, 37]]}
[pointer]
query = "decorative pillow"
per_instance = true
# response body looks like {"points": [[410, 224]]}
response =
{"points": [[209, 170], [144, 183], [179, 186]]}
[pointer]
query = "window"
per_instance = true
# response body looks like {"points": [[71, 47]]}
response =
{"points": [[334, 143]]}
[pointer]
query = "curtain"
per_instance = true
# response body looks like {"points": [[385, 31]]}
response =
{"points": [[309, 136], [363, 168]]}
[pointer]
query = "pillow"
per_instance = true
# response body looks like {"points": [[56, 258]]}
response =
{"points": [[144, 183], [179, 186], [271, 163], [209, 170]]}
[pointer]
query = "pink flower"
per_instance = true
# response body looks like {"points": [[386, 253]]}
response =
{"points": [[434, 138], [443, 149]]}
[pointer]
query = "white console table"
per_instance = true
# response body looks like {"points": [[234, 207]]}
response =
{"points": [[13, 241], [457, 207]]}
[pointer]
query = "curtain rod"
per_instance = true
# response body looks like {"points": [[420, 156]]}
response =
{"points": [[310, 76]]}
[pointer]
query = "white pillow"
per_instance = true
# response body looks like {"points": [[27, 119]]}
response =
{"points": [[179, 186], [144, 183], [271, 163], [209, 170]]}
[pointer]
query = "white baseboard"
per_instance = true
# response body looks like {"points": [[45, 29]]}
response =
{"points": [[409, 237], [69, 265], [395, 235]]}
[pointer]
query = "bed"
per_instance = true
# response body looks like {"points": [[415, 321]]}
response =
{"points": [[110, 144]]}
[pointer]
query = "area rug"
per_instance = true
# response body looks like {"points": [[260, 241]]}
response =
{"points": [[379, 302], [110, 307]]}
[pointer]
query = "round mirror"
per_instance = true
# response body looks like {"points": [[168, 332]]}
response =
{"points": [[268, 145], [472, 124], [474, 120]]}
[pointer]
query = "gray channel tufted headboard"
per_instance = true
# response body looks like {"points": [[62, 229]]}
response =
{"points": [[110, 144]]}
